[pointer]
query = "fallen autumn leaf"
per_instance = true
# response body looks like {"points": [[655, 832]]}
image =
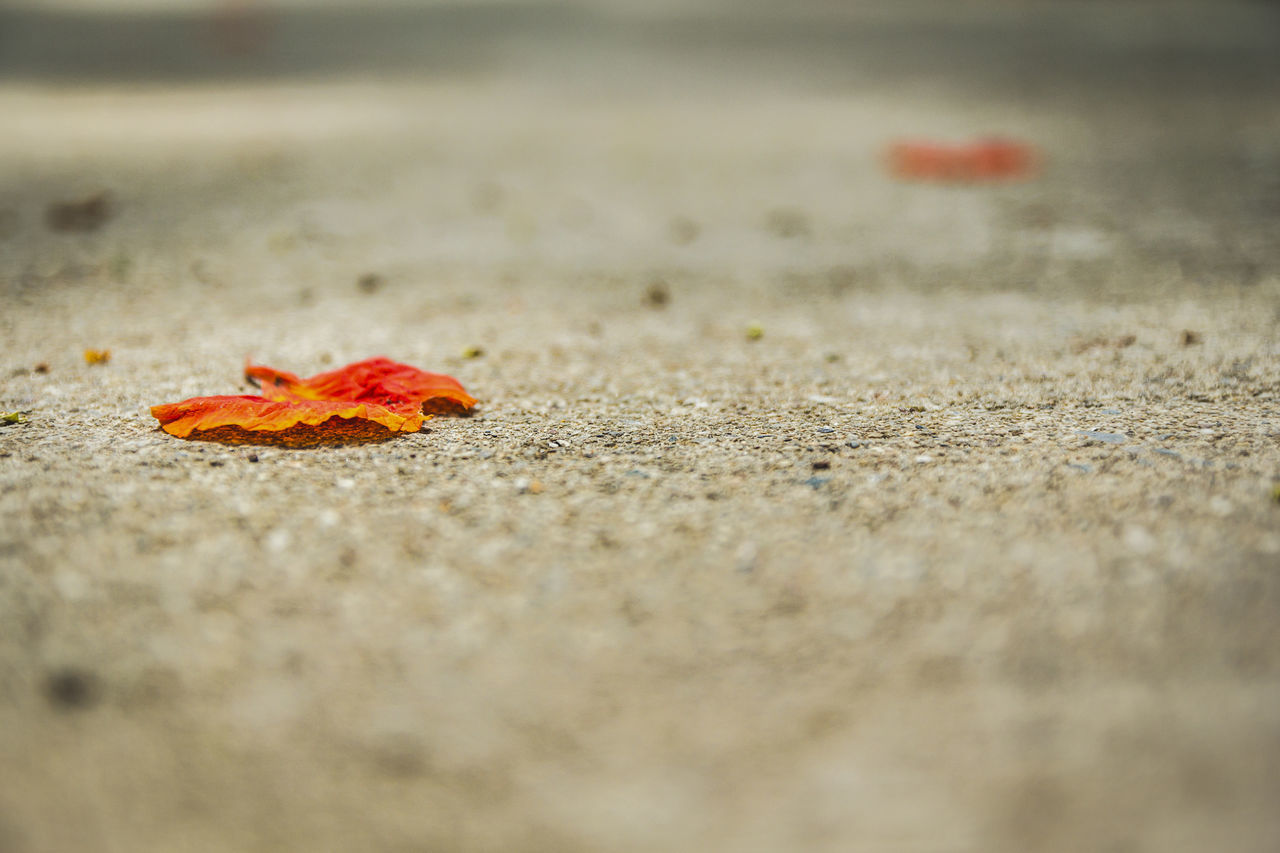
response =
{"points": [[991, 159], [368, 400]]}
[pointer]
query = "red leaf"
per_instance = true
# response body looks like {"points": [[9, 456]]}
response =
{"points": [[376, 391], [990, 159], [376, 380]]}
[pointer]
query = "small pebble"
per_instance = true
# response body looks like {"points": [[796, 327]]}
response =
{"points": [[278, 540], [1106, 437]]}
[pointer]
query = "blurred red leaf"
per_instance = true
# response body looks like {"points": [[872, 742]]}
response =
{"points": [[990, 159], [376, 391]]}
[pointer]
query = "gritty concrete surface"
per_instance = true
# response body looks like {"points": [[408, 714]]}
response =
{"points": [[976, 548]]}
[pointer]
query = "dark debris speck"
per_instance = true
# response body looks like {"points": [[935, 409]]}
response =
{"points": [[72, 688], [658, 295]]}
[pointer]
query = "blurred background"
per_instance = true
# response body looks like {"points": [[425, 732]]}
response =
{"points": [[1167, 101], [821, 42]]}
